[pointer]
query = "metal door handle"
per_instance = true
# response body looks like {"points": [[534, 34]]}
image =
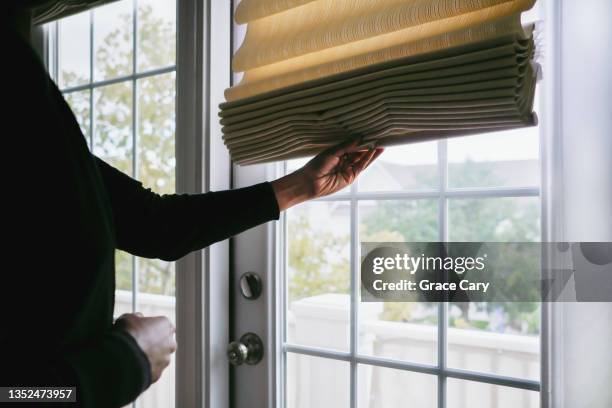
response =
{"points": [[249, 350]]}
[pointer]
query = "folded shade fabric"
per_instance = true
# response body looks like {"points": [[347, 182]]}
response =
{"points": [[479, 77], [45, 11]]}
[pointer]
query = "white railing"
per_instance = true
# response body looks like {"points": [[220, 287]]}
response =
{"points": [[160, 394], [323, 321]]}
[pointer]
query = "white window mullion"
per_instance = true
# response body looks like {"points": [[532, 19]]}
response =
{"points": [[442, 237], [354, 308]]}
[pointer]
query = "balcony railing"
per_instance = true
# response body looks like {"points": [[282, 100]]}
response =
{"points": [[323, 322]]}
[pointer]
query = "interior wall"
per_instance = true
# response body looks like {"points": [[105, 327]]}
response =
{"points": [[586, 123]]}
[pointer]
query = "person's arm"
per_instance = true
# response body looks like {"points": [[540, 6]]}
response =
{"points": [[170, 226], [110, 371]]}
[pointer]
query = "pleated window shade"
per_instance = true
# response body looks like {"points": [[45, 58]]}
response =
{"points": [[49, 11], [316, 72]]}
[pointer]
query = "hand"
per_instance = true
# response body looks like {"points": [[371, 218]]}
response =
{"points": [[154, 335], [328, 172]]}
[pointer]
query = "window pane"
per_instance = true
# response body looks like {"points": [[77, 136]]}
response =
{"points": [[74, 50], [318, 274], [497, 337], [507, 219], [156, 276], [470, 394], [399, 330], [398, 221], [156, 170], [502, 159], [79, 103], [161, 393], [123, 283], [123, 269], [410, 167], [500, 338], [156, 34], [317, 382], [113, 31], [382, 387], [113, 125], [156, 131]]}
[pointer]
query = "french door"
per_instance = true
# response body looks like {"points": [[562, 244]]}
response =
{"points": [[323, 347]]}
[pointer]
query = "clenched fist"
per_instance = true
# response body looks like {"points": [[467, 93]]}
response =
{"points": [[154, 335]]}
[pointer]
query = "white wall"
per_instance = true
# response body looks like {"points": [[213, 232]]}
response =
{"points": [[585, 366]]}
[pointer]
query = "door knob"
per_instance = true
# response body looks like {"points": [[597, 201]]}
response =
{"points": [[249, 350]]}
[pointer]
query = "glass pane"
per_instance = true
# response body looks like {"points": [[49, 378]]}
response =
{"points": [[74, 50], [502, 159], [123, 269], [317, 382], [123, 283], [409, 167], [79, 103], [156, 131], [399, 330], [295, 164], [318, 274], [497, 337], [398, 221], [156, 297], [506, 219], [156, 276], [382, 387], [156, 170], [156, 34], [113, 125], [405, 331], [113, 37], [470, 394]]}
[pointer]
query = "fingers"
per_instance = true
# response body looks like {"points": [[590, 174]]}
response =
{"points": [[379, 151], [348, 146], [364, 160]]}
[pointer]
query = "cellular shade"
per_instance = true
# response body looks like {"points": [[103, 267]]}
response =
{"points": [[318, 71]]}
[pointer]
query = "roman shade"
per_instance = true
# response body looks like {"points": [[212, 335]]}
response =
{"points": [[47, 11], [391, 71]]}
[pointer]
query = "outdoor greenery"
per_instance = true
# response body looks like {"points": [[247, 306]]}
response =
{"points": [[487, 220], [112, 122]]}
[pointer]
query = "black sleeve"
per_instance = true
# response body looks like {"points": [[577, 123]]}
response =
{"points": [[116, 356], [108, 372], [170, 226]]}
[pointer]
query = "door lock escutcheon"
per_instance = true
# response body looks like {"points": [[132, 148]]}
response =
{"points": [[249, 350]]}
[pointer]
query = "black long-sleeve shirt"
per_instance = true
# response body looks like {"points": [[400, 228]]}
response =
{"points": [[64, 214]]}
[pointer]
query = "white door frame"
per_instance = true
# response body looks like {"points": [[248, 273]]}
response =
{"points": [[257, 385], [203, 73], [261, 385]]}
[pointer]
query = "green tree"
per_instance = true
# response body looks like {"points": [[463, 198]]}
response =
{"points": [[113, 138], [314, 267], [486, 220]]}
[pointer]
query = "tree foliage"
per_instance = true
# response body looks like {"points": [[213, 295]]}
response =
{"points": [[113, 115], [486, 220]]}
